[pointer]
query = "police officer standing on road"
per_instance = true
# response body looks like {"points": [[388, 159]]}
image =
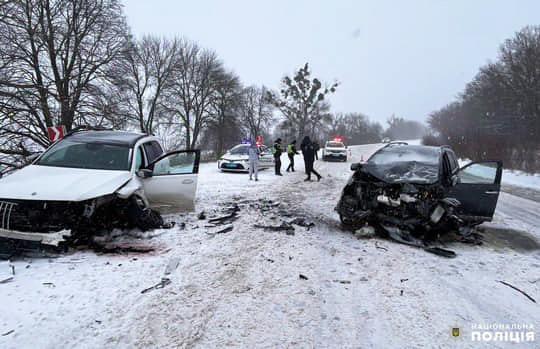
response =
{"points": [[253, 153], [277, 156], [308, 150], [291, 152]]}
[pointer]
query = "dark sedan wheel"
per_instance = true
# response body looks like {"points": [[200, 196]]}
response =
{"points": [[346, 220]]}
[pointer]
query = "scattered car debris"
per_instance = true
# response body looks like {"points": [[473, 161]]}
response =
{"points": [[302, 276], [380, 247], [229, 218], [407, 239], [172, 265], [403, 280], [227, 229], [164, 282], [366, 231], [517, 289], [6, 280], [300, 221], [121, 247], [8, 333], [201, 215], [284, 226], [342, 281]]}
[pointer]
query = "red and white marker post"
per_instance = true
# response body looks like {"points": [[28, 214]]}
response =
{"points": [[56, 132]]}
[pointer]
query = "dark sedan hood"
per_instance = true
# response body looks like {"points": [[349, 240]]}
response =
{"points": [[404, 172]]}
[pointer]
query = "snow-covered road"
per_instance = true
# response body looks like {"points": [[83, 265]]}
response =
{"points": [[252, 288]]}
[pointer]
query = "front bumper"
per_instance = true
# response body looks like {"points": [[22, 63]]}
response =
{"points": [[337, 156], [53, 238], [233, 166]]}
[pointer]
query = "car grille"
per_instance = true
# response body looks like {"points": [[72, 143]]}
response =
{"points": [[6, 209], [38, 216]]}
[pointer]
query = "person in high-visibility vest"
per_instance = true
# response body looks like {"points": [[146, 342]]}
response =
{"points": [[291, 152], [276, 150]]}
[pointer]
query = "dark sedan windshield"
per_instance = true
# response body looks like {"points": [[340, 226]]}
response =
{"points": [[400, 164], [394, 154], [97, 156]]}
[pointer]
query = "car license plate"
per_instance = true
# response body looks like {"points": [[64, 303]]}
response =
{"points": [[230, 165]]}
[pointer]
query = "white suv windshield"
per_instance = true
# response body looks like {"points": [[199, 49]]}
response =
{"points": [[98, 156]]}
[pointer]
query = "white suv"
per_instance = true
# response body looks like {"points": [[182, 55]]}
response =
{"points": [[96, 179]]}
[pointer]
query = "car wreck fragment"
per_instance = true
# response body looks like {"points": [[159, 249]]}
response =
{"points": [[414, 194], [92, 181]]}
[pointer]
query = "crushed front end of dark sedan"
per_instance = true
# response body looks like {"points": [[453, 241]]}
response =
{"points": [[416, 193]]}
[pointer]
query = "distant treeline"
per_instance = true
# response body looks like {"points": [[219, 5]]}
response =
{"points": [[498, 114]]}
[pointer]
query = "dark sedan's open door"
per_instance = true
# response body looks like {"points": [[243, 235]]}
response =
{"points": [[477, 188]]}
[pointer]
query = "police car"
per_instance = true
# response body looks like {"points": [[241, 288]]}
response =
{"points": [[335, 150], [237, 159]]}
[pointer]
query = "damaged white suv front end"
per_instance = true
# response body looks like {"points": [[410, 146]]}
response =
{"points": [[95, 180]]}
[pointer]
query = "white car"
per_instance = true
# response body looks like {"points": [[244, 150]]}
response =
{"points": [[237, 159], [335, 150], [94, 179]]}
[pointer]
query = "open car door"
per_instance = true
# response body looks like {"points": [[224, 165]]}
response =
{"points": [[477, 187], [173, 181]]}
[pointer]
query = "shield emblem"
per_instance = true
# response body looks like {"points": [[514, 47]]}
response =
{"points": [[455, 331]]}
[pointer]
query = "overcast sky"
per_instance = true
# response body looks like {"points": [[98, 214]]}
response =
{"points": [[404, 57]]}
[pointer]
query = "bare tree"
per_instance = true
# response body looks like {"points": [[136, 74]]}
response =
{"points": [[143, 76], [224, 126], [53, 55], [188, 101], [256, 110], [301, 100]]}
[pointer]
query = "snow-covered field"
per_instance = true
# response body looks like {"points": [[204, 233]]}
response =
{"points": [[253, 288]]}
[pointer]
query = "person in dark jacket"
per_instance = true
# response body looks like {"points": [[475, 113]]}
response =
{"points": [[277, 156], [308, 150], [291, 152]]}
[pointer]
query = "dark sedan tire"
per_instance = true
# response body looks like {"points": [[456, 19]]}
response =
{"points": [[345, 220]]}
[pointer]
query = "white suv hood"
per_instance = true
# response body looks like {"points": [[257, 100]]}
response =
{"points": [[60, 183]]}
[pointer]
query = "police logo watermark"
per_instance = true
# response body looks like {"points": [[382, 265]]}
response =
{"points": [[455, 332], [517, 333]]}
